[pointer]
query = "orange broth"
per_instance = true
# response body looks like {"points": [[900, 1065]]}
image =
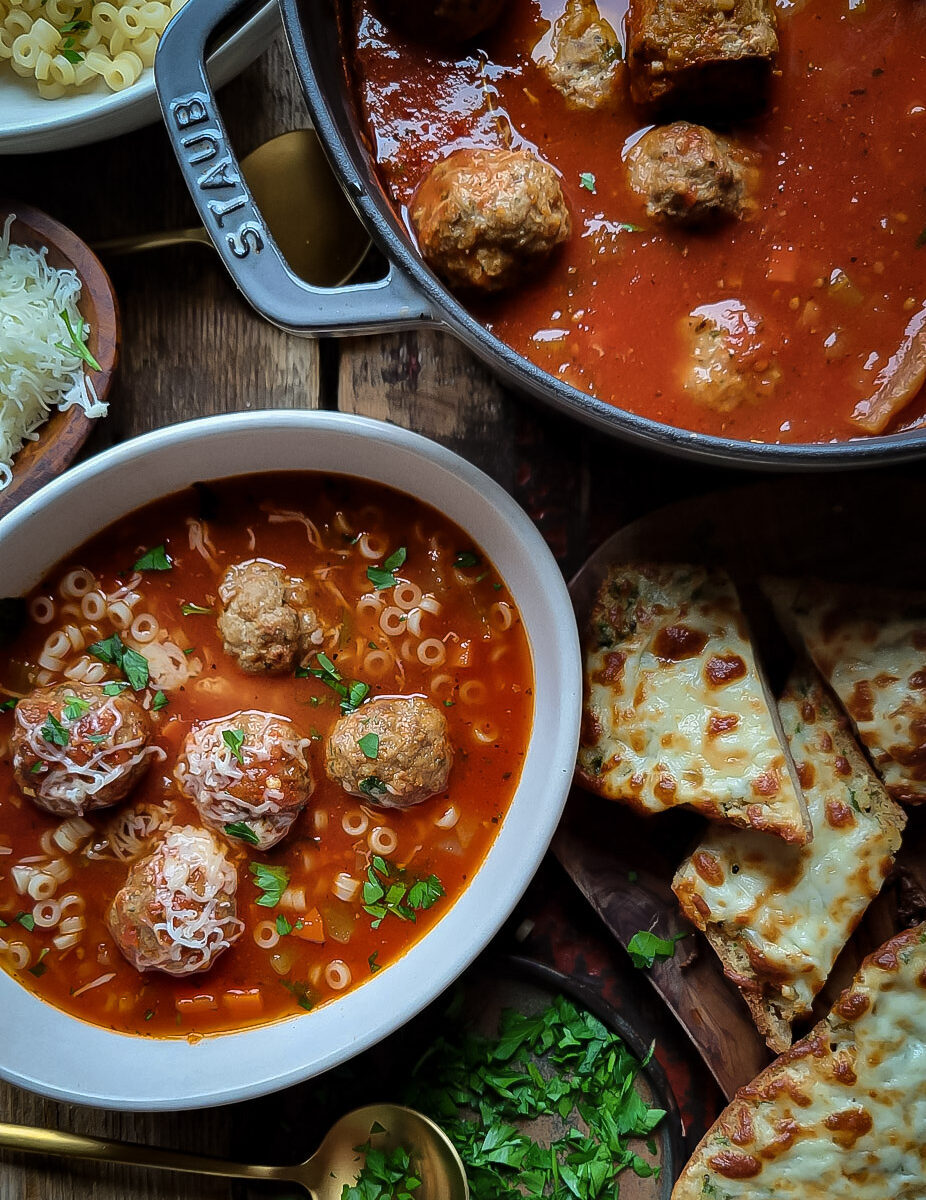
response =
{"points": [[841, 147], [484, 688]]}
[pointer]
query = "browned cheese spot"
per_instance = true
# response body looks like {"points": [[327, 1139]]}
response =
{"points": [[808, 713], [707, 866], [722, 669], [848, 1126], [677, 642], [861, 702], [917, 681], [851, 1005], [767, 784], [805, 774], [613, 668], [718, 723], [841, 766], [838, 813], [734, 1165]]}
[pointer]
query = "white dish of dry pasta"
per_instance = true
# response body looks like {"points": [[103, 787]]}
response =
{"points": [[79, 71]]}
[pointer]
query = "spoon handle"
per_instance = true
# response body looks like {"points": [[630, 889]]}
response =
{"points": [[151, 241], [72, 1145]]}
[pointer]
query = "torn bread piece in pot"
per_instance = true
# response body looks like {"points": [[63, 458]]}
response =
{"points": [[870, 646], [840, 1114], [676, 711], [778, 915]]}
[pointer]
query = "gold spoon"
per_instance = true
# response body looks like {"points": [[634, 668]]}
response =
{"points": [[310, 217], [324, 1175]]}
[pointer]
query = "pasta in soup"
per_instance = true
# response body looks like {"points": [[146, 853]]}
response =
{"points": [[254, 740]]}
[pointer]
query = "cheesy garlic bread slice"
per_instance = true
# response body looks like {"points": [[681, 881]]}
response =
{"points": [[870, 646], [842, 1114], [676, 711], [779, 915]]}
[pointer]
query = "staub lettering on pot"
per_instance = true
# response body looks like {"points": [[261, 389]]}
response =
{"points": [[207, 145]]}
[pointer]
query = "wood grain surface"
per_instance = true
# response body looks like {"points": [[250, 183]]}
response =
{"points": [[192, 346]]}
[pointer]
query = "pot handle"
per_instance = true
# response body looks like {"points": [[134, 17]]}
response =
{"points": [[227, 209]]}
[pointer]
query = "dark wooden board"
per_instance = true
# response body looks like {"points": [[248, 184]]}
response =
{"points": [[827, 527]]}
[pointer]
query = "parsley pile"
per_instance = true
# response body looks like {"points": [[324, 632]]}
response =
{"points": [[385, 1175], [134, 666], [352, 694], [562, 1063]]}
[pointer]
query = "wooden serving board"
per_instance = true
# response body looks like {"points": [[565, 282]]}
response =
{"points": [[847, 528]]}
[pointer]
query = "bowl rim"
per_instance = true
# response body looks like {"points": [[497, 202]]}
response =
{"points": [[69, 1059]]}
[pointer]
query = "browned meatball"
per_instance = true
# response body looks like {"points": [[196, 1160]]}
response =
{"points": [[266, 624], [177, 910], [395, 751], [444, 20], [584, 60], [486, 217], [76, 749], [249, 768], [688, 174]]}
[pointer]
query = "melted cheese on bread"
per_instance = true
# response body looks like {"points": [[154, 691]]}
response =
{"points": [[842, 1114], [676, 711], [870, 646], [779, 915]]}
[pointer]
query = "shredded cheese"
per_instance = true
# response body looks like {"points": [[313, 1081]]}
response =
{"points": [[38, 372]]}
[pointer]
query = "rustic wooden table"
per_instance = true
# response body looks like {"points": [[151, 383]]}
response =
{"points": [[191, 347]]}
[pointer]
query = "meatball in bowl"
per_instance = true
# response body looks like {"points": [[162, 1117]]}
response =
{"points": [[248, 769], [76, 748]]}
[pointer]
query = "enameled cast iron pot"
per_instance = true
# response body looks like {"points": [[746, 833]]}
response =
{"points": [[410, 294]]}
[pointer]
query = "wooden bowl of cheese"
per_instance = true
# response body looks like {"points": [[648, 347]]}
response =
{"points": [[41, 348]]}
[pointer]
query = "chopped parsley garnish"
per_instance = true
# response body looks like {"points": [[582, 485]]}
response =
{"points": [[196, 610], [75, 57], [587, 180], [389, 890], [271, 881], [160, 701], [283, 926], [369, 744], [385, 1175], [561, 1067], [373, 787], [384, 576], [9, 705], [75, 708], [632, 876], [352, 694], [39, 968], [154, 560], [75, 26], [302, 993], [243, 832], [113, 689], [149, 1013], [97, 739], [76, 345], [37, 768], [27, 920], [234, 739], [374, 965], [626, 227], [134, 666], [467, 559], [646, 947], [54, 732]]}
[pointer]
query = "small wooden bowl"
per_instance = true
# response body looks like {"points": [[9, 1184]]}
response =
{"points": [[63, 434]]}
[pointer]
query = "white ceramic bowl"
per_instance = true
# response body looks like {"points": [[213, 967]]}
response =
{"points": [[68, 1059], [29, 124]]}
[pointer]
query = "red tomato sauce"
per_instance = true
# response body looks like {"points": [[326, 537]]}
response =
{"points": [[484, 688], [832, 264]]}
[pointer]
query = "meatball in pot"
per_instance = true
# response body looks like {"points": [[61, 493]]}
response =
{"points": [[485, 218], [177, 910], [687, 174], [267, 624], [76, 749], [584, 60], [247, 769], [394, 751]]}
